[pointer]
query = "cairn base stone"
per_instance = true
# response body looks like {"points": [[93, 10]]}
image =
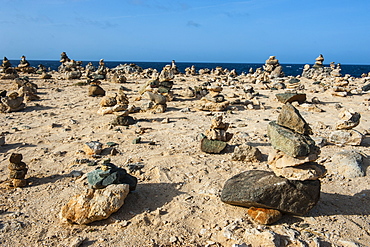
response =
{"points": [[212, 146], [263, 189]]}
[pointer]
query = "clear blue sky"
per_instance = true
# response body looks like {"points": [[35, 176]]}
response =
{"points": [[294, 31]]}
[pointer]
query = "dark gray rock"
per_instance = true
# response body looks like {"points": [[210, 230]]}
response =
{"points": [[212, 146], [124, 121], [291, 143], [291, 118], [291, 97], [263, 189], [110, 174]]}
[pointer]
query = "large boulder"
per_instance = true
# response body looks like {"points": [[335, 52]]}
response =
{"points": [[94, 205], [291, 143], [263, 189]]}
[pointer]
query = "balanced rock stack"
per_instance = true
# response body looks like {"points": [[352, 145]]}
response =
{"points": [[295, 187], [214, 100], [295, 152], [345, 134], [18, 170], [216, 137]]}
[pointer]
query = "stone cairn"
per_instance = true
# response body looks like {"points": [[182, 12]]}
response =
{"points": [[213, 100], [344, 133], [115, 103], [293, 186], [216, 138], [71, 68], [7, 71], [18, 170], [319, 71], [24, 66], [101, 72], [27, 89], [11, 103]]}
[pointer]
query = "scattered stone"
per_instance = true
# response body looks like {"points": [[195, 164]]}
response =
{"points": [[262, 239], [264, 216], [349, 120], [247, 153], [347, 163], [96, 90], [93, 147], [263, 189], [291, 97], [346, 137], [94, 205], [124, 120]]}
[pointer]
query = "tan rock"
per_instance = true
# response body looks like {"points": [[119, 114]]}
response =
{"points": [[279, 159], [346, 137], [262, 239], [349, 119], [264, 216], [94, 205], [93, 147], [307, 171], [247, 153]]}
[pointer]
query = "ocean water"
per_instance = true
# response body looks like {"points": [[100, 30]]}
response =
{"points": [[289, 69]]}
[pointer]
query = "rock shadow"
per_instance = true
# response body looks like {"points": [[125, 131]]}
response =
{"points": [[146, 197], [6, 147], [36, 181], [337, 204]]}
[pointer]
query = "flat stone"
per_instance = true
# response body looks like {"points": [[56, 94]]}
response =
{"points": [[264, 216], [291, 97], [347, 163], [212, 146], [291, 118], [346, 137], [279, 159], [246, 153], [263, 189], [306, 171], [94, 205], [291, 143]]}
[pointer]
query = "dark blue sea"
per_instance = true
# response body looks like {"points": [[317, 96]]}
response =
{"points": [[289, 69]]}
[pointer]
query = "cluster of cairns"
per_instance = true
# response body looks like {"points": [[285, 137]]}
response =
{"points": [[292, 186], [17, 170]]}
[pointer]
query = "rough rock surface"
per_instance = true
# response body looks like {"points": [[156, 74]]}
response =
{"points": [[346, 137], [264, 216], [94, 205], [247, 153], [291, 143], [290, 117], [347, 163], [263, 189]]}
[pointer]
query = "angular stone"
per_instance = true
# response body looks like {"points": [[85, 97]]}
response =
{"points": [[346, 137], [247, 153], [19, 166], [291, 118], [279, 159], [264, 216], [19, 182], [263, 189], [15, 158], [17, 174], [94, 205], [157, 98], [349, 120], [212, 146], [96, 90], [291, 143], [347, 163], [93, 147], [290, 97], [306, 171]]}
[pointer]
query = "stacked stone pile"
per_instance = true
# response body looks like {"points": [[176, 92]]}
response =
{"points": [[216, 137], [214, 100], [18, 170], [293, 187]]}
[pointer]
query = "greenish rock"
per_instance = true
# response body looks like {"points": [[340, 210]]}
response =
{"points": [[109, 174], [111, 144], [136, 140], [291, 143], [291, 97], [212, 146], [92, 163], [124, 121]]}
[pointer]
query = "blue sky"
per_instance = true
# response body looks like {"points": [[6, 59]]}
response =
{"points": [[187, 31]]}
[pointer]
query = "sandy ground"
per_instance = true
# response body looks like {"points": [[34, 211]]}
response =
{"points": [[177, 200]]}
